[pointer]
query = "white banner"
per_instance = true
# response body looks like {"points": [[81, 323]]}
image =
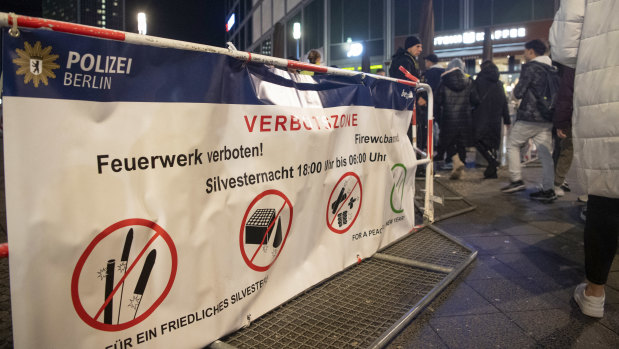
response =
{"points": [[137, 222]]}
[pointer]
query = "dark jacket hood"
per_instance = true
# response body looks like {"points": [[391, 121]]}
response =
{"points": [[454, 79], [489, 73]]}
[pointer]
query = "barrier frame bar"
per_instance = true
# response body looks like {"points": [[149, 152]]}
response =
{"points": [[16, 21]]}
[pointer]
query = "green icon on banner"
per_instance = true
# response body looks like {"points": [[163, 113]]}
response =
{"points": [[398, 172]]}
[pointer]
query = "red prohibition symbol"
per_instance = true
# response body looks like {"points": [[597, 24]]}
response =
{"points": [[102, 317], [344, 203], [262, 229]]}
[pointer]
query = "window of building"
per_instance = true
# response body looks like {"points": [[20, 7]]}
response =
{"points": [[312, 28], [437, 7], [415, 15], [493, 12], [481, 11], [336, 21], [376, 19], [451, 15], [401, 13], [511, 11], [356, 20], [543, 9]]}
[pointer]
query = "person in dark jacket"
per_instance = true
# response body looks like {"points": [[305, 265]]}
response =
{"points": [[531, 124], [562, 121], [406, 57], [487, 115], [454, 100], [432, 75]]}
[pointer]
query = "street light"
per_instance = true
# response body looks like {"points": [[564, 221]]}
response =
{"points": [[355, 49], [296, 34], [142, 23]]}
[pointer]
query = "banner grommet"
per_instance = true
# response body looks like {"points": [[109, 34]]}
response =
{"points": [[14, 30]]}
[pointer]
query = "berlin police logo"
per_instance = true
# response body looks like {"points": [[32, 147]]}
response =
{"points": [[36, 63]]}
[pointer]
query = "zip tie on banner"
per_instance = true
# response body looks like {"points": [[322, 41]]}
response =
{"points": [[14, 30], [4, 250]]}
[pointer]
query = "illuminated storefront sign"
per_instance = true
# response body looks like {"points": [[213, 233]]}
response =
{"points": [[472, 37]]}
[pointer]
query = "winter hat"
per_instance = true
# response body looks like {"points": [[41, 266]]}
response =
{"points": [[455, 63], [432, 58], [411, 41]]}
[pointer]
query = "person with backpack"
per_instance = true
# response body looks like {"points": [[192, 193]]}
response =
{"points": [[533, 120]]}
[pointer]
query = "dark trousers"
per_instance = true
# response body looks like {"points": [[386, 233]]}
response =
{"points": [[487, 152], [601, 232]]}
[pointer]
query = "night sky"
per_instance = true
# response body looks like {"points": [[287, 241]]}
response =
{"points": [[200, 21]]}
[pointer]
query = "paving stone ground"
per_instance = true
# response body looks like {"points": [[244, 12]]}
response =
{"points": [[518, 293]]}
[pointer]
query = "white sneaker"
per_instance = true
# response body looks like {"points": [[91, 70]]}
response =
{"points": [[559, 191], [589, 305]]}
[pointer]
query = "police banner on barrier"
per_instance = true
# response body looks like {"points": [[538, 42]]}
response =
{"points": [[165, 198]]}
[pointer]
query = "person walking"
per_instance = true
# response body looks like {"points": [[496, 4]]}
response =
{"points": [[562, 122], [454, 100], [531, 123], [584, 37], [489, 115]]}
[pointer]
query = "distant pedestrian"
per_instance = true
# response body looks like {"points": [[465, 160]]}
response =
{"points": [[380, 72], [314, 57], [562, 121], [454, 100], [594, 130], [531, 123], [432, 75], [489, 115]]}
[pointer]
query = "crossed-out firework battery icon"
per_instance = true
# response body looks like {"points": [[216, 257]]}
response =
{"points": [[260, 226]]}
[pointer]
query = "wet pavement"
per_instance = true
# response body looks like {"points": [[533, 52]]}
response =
{"points": [[518, 293]]}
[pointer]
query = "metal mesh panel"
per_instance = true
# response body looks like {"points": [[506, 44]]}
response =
{"points": [[429, 246], [453, 202], [348, 311]]}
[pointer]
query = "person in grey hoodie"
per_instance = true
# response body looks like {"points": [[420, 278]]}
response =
{"points": [[531, 124]]}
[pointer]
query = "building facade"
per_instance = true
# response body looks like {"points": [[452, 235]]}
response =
{"points": [[99, 13], [337, 27]]}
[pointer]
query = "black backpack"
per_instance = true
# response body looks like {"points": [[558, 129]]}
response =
{"points": [[547, 97]]}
